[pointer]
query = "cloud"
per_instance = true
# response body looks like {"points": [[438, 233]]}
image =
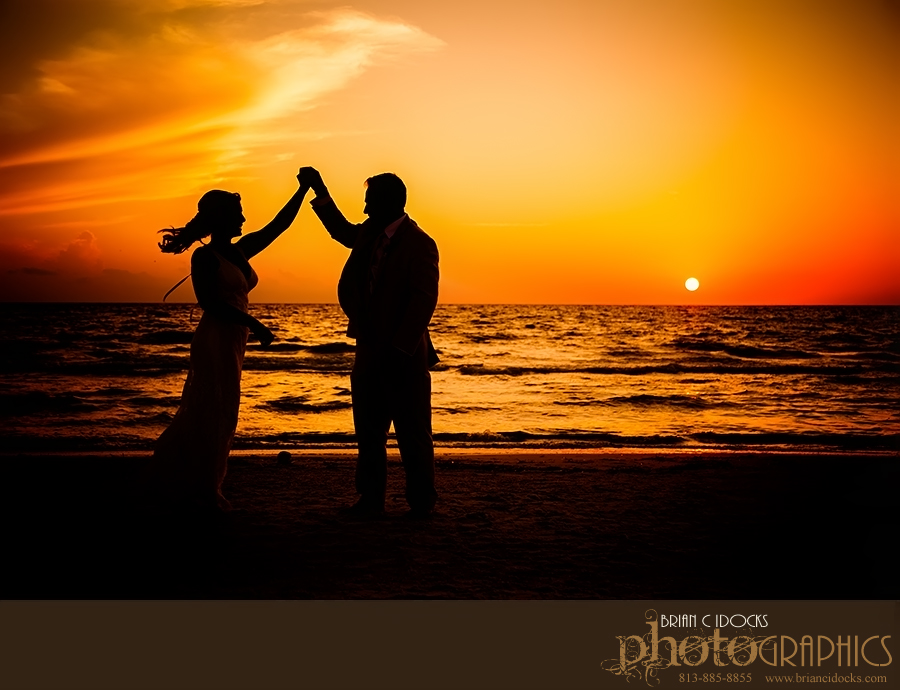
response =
{"points": [[178, 90], [78, 257], [81, 255], [73, 272]]}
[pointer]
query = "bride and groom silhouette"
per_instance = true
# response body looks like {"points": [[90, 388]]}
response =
{"points": [[388, 290]]}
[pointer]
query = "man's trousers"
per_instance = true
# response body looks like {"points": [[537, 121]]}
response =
{"points": [[389, 386]]}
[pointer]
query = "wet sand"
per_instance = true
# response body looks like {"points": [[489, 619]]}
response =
{"points": [[516, 525]]}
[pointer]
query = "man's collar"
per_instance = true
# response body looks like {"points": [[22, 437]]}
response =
{"points": [[392, 228]]}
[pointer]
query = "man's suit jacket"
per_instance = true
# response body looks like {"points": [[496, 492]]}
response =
{"points": [[397, 312]]}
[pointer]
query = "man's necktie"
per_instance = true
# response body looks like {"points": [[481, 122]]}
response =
{"points": [[381, 246]]}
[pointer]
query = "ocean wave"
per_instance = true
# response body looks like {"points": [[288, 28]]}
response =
{"points": [[167, 337], [583, 440], [626, 352], [300, 403], [295, 439], [35, 402], [742, 351], [815, 439], [751, 352], [577, 439], [154, 401], [276, 347], [481, 338], [468, 409], [336, 348], [482, 439], [842, 338], [137, 365], [159, 420], [59, 441], [719, 368], [757, 441], [312, 365], [877, 356], [647, 400], [113, 392], [28, 347]]}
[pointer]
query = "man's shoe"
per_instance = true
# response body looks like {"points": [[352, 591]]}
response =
{"points": [[419, 513], [420, 506], [364, 509]]}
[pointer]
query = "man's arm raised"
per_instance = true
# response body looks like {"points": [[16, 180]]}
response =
{"points": [[334, 221]]}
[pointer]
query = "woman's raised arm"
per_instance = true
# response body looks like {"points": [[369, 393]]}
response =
{"points": [[253, 243]]}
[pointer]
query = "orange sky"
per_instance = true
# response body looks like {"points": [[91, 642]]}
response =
{"points": [[572, 152]]}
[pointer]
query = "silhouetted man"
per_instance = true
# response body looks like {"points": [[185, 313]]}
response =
{"points": [[388, 290]]}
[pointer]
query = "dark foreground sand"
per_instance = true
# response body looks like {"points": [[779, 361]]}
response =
{"points": [[516, 525]]}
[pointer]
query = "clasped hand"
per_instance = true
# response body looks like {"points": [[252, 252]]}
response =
{"points": [[312, 178]]}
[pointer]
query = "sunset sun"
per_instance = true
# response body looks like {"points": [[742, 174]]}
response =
{"points": [[692, 284]]}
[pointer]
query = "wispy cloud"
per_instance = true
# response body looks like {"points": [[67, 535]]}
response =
{"points": [[141, 113]]}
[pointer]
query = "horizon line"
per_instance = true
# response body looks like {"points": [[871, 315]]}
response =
{"points": [[481, 304]]}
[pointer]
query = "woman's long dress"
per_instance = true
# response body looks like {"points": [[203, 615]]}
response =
{"points": [[191, 455]]}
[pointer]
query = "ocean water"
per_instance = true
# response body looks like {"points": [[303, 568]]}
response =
{"points": [[108, 377]]}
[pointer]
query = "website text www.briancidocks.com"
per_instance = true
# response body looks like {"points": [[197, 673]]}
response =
{"points": [[829, 678]]}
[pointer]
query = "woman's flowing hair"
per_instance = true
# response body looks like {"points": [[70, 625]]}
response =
{"points": [[210, 210]]}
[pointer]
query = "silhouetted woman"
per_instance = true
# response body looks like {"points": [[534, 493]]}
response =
{"points": [[190, 457]]}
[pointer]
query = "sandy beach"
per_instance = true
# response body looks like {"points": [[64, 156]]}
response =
{"points": [[511, 525]]}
